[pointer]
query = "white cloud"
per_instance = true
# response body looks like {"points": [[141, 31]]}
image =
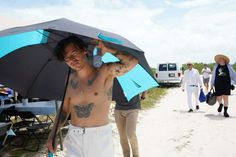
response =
{"points": [[201, 3], [196, 3], [198, 35]]}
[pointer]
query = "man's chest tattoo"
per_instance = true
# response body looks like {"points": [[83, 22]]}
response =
{"points": [[83, 111]]}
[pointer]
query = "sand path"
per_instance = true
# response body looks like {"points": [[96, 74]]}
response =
{"points": [[169, 131]]}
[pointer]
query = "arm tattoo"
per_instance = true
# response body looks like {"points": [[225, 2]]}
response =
{"points": [[126, 62], [116, 53], [63, 117], [83, 111], [122, 66], [119, 69], [74, 84]]}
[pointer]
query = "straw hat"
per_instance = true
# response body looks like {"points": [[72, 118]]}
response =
{"points": [[217, 57], [189, 62]]}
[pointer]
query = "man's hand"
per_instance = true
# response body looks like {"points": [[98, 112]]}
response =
{"points": [[49, 147], [103, 48], [143, 95]]}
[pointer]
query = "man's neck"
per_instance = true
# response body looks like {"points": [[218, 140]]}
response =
{"points": [[85, 72]]}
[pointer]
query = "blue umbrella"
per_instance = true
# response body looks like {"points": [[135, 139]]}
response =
{"points": [[27, 63]]}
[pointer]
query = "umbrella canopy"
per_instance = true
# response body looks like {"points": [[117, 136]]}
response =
{"points": [[133, 82], [27, 63]]}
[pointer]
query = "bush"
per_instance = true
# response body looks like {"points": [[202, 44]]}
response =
{"points": [[153, 96]]}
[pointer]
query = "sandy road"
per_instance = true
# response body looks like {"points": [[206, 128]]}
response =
{"points": [[169, 131]]}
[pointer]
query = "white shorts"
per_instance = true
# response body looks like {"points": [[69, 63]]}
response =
{"points": [[89, 142]]}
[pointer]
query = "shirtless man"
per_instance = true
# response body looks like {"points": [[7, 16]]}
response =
{"points": [[88, 99]]}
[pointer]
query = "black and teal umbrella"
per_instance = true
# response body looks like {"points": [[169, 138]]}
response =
{"points": [[28, 65]]}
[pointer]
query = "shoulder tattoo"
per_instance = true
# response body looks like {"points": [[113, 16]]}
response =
{"points": [[74, 84], [90, 81]]}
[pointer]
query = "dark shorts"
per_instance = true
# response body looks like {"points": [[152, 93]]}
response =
{"points": [[206, 80]]}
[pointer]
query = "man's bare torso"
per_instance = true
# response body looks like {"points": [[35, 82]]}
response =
{"points": [[89, 99]]}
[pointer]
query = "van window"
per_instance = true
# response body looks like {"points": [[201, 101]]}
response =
{"points": [[172, 67], [163, 67]]}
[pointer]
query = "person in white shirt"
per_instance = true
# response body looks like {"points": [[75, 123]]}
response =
{"points": [[191, 81], [206, 74]]}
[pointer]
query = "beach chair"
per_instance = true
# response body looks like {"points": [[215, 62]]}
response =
{"points": [[19, 126], [4, 127], [3, 117], [12, 113], [35, 130], [7, 113]]}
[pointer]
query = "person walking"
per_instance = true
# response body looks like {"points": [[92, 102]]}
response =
{"points": [[222, 77], [88, 99], [191, 82], [206, 73], [126, 116]]}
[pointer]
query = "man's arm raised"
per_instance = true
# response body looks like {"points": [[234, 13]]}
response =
{"points": [[126, 63]]}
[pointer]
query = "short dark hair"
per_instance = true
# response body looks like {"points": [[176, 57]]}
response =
{"points": [[60, 48]]}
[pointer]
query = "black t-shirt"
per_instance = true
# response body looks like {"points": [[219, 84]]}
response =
{"points": [[121, 101], [222, 77], [222, 80]]}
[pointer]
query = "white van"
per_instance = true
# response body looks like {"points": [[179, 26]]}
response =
{"points": [[169, 73]]}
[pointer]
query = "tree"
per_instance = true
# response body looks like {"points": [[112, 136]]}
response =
{"points": [[234, 66], [199, 66]]}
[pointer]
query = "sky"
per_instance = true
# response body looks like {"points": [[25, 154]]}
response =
{"points": [[166, 30]]}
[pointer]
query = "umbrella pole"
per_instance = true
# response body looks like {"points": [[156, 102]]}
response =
{"points": [[59, 114], [60, 133]]}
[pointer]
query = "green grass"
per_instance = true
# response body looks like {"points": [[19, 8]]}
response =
{"points": [[153, 96]]}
